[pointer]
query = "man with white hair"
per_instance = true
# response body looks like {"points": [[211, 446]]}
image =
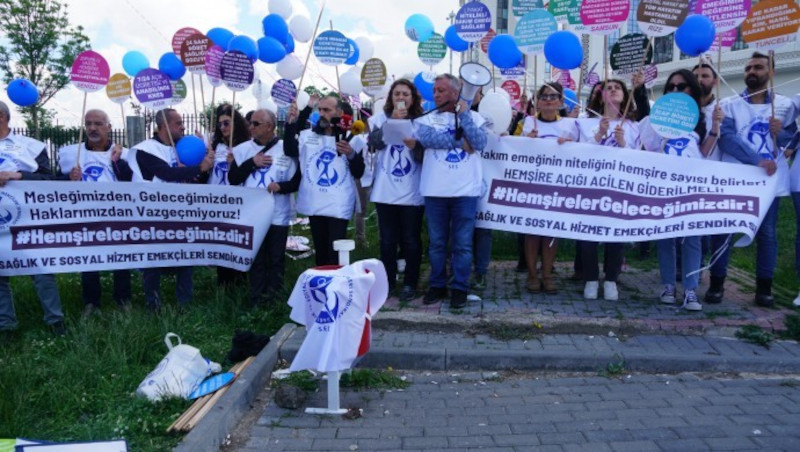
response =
{"points": [[23, 158], [98, 159]]}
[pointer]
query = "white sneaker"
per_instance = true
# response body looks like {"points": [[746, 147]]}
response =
{"points": [[690, 302], [796, 301], [590, 290], [610, 291], [668, 295], [401, 265]]}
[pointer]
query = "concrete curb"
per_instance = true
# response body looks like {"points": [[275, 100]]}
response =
{"points": [[651, 360], [212, 430]]}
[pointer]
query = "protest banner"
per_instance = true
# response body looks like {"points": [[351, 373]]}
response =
{"points": [[59, 227], [601, 194], [473, 21]]}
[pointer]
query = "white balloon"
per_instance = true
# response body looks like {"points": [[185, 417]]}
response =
{"points": [[282, 8], [350, 83], [290, 67], [377, 107], [497, 110], [365, 48], [302, 99], [301, 29], [270, 105], [498, 90]]}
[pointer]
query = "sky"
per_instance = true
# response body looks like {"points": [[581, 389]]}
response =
{"points": [[116, 27]]}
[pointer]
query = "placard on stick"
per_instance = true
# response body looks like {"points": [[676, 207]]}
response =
{"points": [[521, 7], [236, 70], [152, 89], [90, 72], [604, 17], [283, 92], [660, 17], [193, 53], [533, 29], [487, 39], [179, 91], [432, 51], [373, 76], [674, 115], [568, 12], [771, 24], [725, 14], [331, 48], [473, 21], [118, 88], [627, 54], [212, 64]]}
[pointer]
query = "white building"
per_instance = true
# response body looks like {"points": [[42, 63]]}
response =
{"points": [[666, 55]]}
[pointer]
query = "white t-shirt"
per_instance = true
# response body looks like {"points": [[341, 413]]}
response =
{"points": [[678, 147], [397, 175], [219, 175], [156, 149], [18, 153], [588, 127], [752, 125], [96, 165], [327, 187], [561, 128], [281, 170], [450, 173]]}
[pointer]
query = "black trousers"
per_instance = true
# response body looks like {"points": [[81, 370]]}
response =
{"points": [[266, 273], [324, 231], [91, 288], [401, 225], [612, 265]]}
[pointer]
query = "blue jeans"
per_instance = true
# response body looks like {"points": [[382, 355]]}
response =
{"points": [[690, 261], [46, 289], [151, 284], [450, 220], [796, 200], [482, 242], [767, 243]]}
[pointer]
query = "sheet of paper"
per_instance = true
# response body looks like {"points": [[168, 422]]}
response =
{"points": [[395, 130]]}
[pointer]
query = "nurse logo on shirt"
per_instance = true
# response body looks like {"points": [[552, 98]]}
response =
{"points": [[10, 210], [221, 172], [676, 146], [261, 177], [759, 137], [93, 173], [401, 163], [327, 175]]}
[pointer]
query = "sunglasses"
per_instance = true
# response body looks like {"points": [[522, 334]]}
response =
{"points": [[255, 123], [224, 123], [679, 86], [549, 96]]}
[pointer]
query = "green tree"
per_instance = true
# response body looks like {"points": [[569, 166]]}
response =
{"points": [[41, 48]]}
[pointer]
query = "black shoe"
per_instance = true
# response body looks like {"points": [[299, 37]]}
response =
{"points": [[764, 292], [716, 290], [59, 329], [407, 293], [434, 295], [458, 300], [522, 267]]}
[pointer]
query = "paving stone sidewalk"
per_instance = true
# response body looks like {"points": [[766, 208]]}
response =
{"points": [[524, 412]]}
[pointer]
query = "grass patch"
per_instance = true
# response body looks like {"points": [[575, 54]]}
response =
{"points": [[792, 322], [303, 379], [755, 335], [614, 368], [360, 379]]}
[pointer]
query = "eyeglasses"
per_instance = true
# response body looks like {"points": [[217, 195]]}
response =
{"points": [[549, 96], [224, 123], [678, 86], [255, 123]]}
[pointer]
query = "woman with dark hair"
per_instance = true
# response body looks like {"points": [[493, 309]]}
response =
{"points": [[227, 121], [395, 190], [547, 124], [680, 81], [609, 128]]}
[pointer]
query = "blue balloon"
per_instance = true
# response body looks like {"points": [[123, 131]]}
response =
{"points": [[289, 45], [314, 118], [419, 28], [275, 27], [270, 50], [22, 92], [170, 65], [503, 51], [191, 150], [220, 36], [453, 41], [424, 87], [354, 49], [570, 99], [245, 45], [563, 50], [695, 35], [133, 62]]}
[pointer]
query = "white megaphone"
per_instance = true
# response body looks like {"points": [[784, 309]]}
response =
{"points": [[473, 76]]}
